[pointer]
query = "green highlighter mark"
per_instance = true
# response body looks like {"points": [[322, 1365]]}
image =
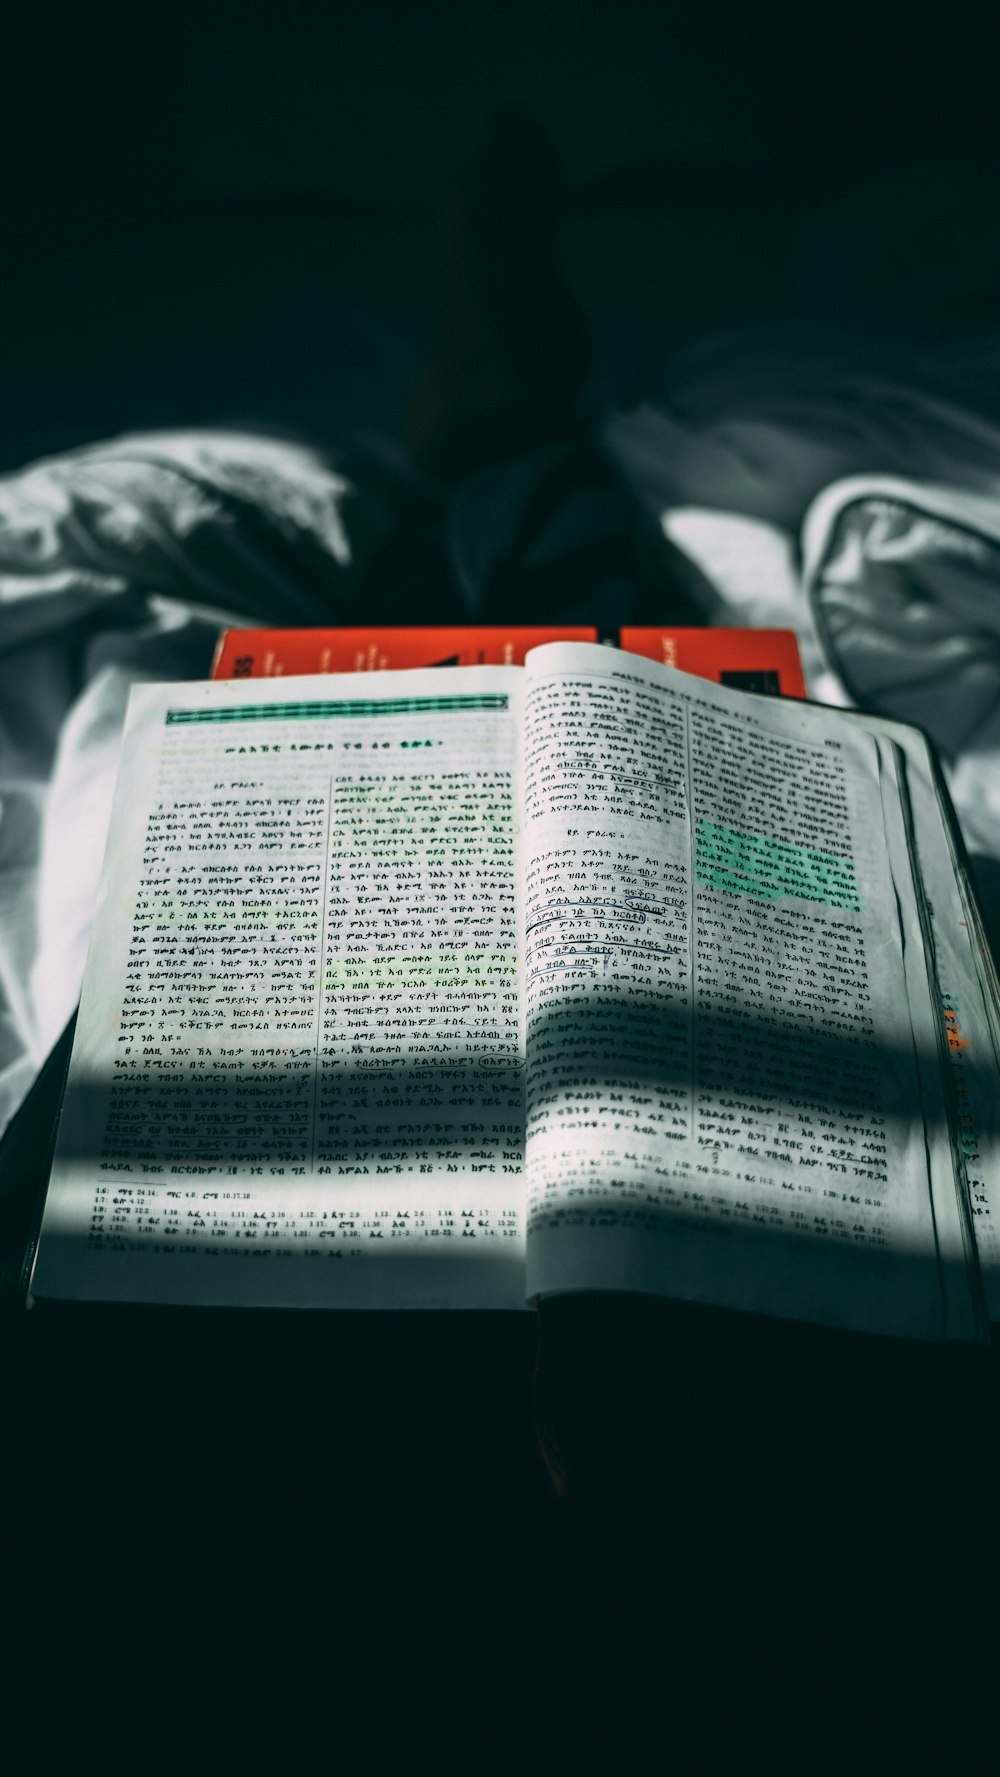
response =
{"points": [[765, 869]]}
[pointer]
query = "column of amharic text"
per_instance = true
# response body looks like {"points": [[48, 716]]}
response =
{"points": [[419, 1040], [216, 1039], [608, 953], [790, 1095]]}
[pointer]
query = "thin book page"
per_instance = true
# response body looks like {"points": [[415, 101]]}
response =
{"points": [[723, 1099], [297, 1076], [963, 1002], [964, 1310]]}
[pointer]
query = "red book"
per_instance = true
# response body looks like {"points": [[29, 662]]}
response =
{"points": [[745, 659], [279, 653]]}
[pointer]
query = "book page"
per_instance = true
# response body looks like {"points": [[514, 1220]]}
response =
{"points": [[723, 1094], [297, 1077], [962, 1296], [965, 1001]]}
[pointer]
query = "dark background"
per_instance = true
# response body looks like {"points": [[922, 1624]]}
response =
{"points": [[206, 214], [207, 208]]}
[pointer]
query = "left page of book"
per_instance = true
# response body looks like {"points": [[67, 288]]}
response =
{"points": [[297, 1077]]}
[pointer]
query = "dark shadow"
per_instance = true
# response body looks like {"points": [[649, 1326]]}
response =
{"points": [[181, 1133], [765, 1489]]}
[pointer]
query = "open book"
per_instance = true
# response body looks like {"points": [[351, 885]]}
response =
{"points": [[460, 990]]}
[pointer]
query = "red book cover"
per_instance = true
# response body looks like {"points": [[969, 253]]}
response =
{"points": [[280, 653], [746, 659]]}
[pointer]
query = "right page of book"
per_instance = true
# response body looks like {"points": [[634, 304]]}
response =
{"points": [[734, 1091]]}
